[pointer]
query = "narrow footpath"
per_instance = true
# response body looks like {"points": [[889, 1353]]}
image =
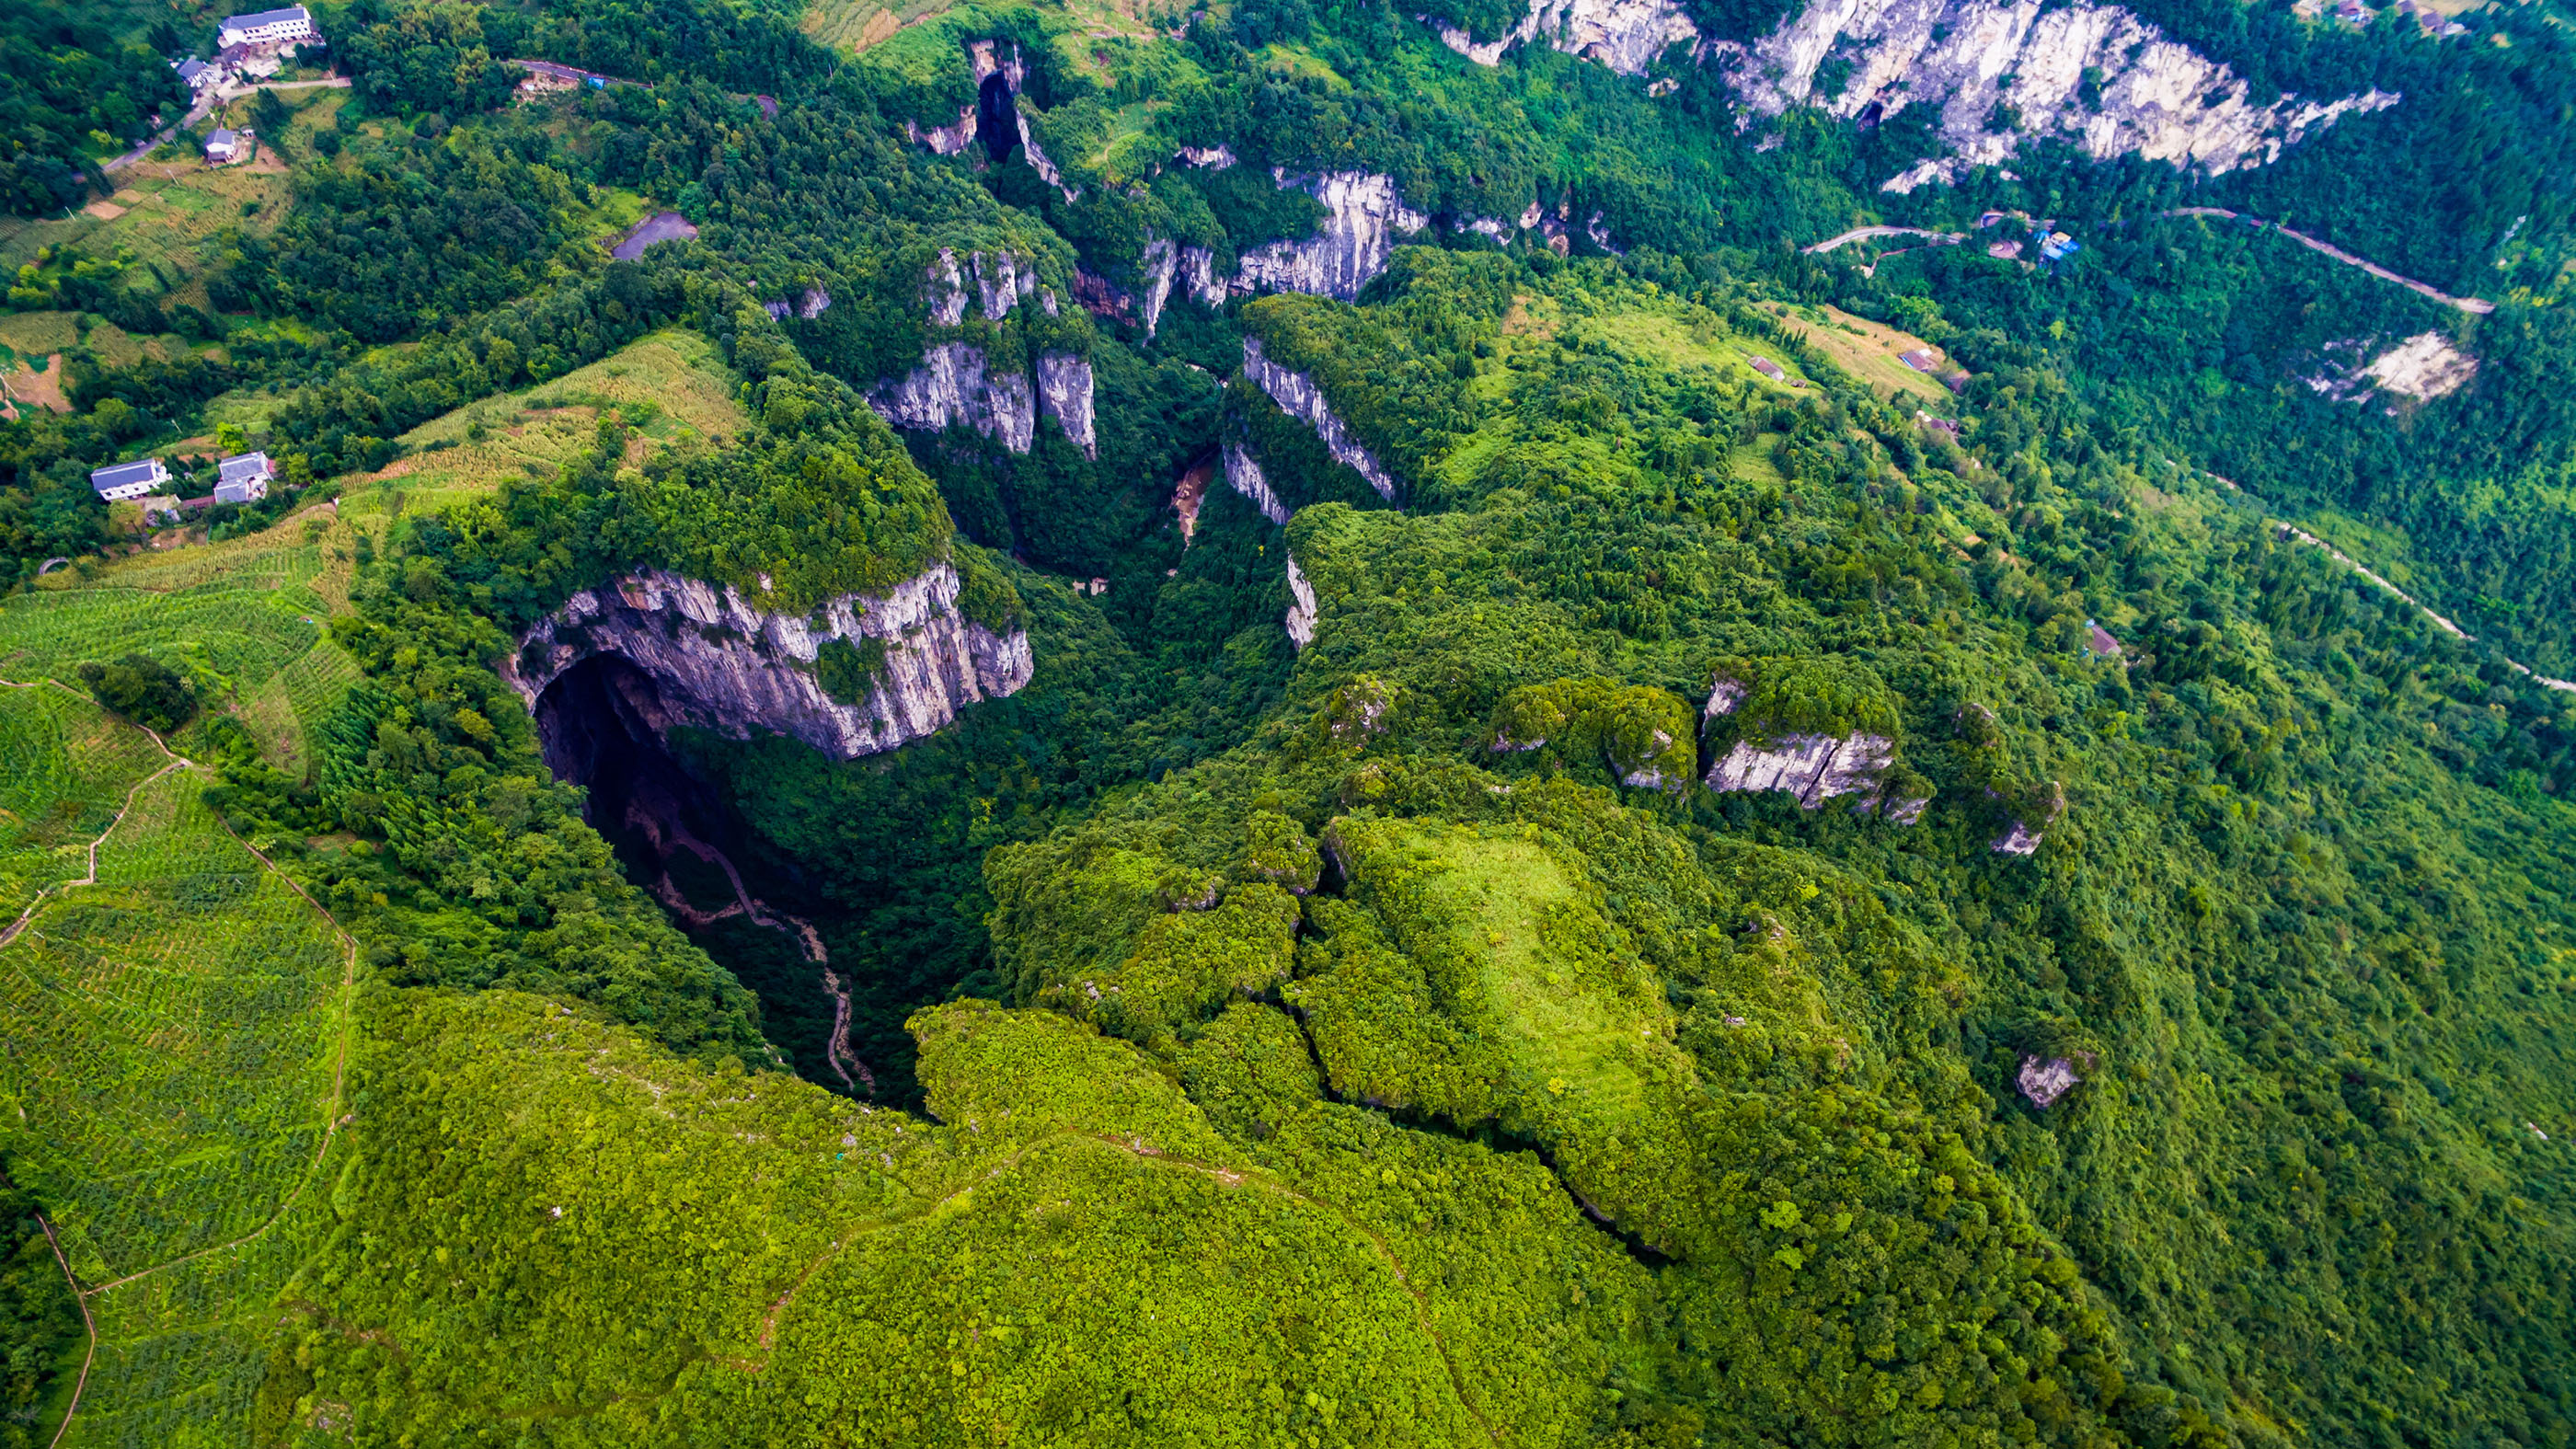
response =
{"points": [[2466, 304], [2439, 621]]}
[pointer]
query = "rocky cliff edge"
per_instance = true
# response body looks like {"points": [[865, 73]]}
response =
{"points": [[724, 664]]}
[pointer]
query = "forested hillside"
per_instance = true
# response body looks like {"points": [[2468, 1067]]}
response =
{"points": [[1297, 724]]}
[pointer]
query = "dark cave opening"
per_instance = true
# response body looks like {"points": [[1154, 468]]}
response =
{"points": [[605, 726], [997, 120]]}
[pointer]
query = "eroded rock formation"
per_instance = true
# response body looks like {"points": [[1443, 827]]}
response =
{"points": [[1297, 396], [1064, 391], [1302, 611], [1365, 217], [953, 386], [1625, 35], [1813, 767], [956, 382], [2095, 75], [1244, 476], [722, 663]]}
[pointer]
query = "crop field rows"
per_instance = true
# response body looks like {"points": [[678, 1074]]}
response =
{"points": [[243, 634], [65, 768], [176, 1057]]}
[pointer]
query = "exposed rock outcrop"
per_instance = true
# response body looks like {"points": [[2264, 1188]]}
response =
{"points": [[1813, 767], [2025, 835], [1039, 163], [952, 386], [955, 382], [1364, 219], [2095, 75], [996, 281], [1302, 612], [946, 140], [1297, 396], [1625, 35], [813, 302], [1064, 390], [724, 664], [1244, 476], [2043, 1082], [1209, 158]]}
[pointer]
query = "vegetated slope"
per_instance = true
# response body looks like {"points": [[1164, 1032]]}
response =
{"points": [[1778, 1052], [180, 1026], [1476, 1060]]}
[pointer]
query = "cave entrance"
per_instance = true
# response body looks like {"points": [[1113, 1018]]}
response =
{"points": [[997, 120], [606, 726]]}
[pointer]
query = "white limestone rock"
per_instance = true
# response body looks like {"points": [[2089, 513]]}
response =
{"points": [[1064, 391], [1244, 476], [2157, 98], [1039, 163], [2044, 1082], [1302, 613], [1625, 35], [1364, 219], [946, 140], [1297, 396], [1814, 768], [952, 386], [723, 663]]}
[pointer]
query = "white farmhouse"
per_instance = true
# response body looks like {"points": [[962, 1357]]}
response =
{"points": [[268, 27], [243, 478], [128, 480]]}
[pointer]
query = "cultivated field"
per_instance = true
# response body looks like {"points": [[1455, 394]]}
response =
{"points": [[671, 386], [1867, 350], [178, 1045], [65, 768]]}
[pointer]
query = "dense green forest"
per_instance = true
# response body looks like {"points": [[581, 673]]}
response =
{"points": [[1704, 887]]}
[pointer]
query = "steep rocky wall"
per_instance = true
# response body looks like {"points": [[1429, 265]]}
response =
{"points": [[1064, 390], [1302, 610], [956, 382], [952, 386], [1812, 767], [1364, 220], [1625, 35], [2155, 98], [724, 664], [1244, 476], [1297, 396]]}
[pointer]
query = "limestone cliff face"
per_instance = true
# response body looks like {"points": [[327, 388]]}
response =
{"points": [[1625, 35], [952, 386], [1244, 476], [1364, 219], [1064, 390], [1302, 612], [1039, 163], [956, 383], [1813, 767], [724, 664], [1297, 396], [2155, 98]]}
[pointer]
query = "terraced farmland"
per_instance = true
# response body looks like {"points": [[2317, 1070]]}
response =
{"points": [[171, 1082], [65, 768]]}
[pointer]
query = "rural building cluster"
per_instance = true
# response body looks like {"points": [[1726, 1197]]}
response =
{"points": [[249, 48], [239, 478]]}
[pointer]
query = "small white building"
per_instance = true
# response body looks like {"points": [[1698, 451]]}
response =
{"points": [[268, 27], [222, 147], [196, 73], [243, 478], [120, 481]]}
